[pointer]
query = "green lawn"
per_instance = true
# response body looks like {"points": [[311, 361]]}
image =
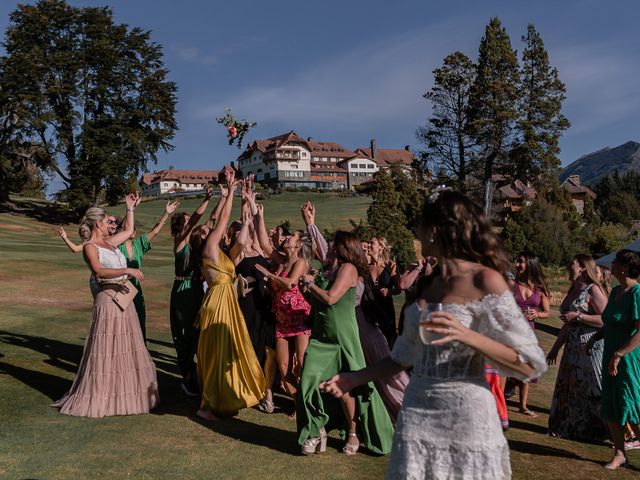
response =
{"points": [[46, 310]]}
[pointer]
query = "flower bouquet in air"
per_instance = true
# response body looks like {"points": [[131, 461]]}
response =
{"points": [[236, 129]]}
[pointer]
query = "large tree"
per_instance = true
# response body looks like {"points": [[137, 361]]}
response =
{"points": [[540, 126], [448, 145], [91, 97], [493, 102]]}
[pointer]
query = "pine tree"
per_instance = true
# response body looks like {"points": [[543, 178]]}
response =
{"points": [[448, 146], [493, 102], [535, 158], [386, 219]]}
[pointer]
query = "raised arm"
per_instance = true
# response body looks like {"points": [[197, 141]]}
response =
{"points": [[210, 249], [195, 217], [123, 235], [309, 217], [169, 208], [243, 235], [70, 245], [261, 232], [299, 268]]}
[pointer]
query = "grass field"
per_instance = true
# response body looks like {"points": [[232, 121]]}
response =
{"points": [[46, 309]]}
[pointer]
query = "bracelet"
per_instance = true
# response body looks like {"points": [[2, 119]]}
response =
{"points": [[579, 317], [618, 354], [129, 209]]}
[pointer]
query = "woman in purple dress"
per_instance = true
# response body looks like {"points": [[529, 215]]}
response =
{"points": [[532, 296]]}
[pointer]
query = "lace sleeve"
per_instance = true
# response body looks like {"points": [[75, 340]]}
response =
{"points": [[406, 346], [499, 317]]}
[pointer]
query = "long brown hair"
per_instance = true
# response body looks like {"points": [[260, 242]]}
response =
{"points": [[590, 273], [348, 249], [533, 273], [463, 231]]}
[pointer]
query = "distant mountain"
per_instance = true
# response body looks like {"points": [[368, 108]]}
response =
{"points": [[593, 166]]}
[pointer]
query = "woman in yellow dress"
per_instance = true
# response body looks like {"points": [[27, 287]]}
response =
{"points": [[229, 372]]}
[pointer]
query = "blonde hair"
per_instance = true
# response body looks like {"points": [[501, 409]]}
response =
{"points": [[91, 216], [385, 252], [85, 232], [307, 250]]}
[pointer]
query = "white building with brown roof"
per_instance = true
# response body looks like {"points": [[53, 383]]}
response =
{"points": [[367, 161], [170, 181]]}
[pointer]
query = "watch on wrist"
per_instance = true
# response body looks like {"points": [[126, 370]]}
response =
{"points": [[579, 317]]}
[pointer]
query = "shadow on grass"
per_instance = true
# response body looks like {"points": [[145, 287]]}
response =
{"points": [[546, 451], [52, 386], [530, 427], [160, 342], [66, 356], [283, 441]]}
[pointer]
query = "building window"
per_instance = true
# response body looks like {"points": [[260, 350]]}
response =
{"points": [[324, 159], [363, 165], [304, 154], [165, 184], [370, 165]]}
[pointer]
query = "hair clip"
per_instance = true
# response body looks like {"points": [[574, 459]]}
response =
{"points": [[435, 193]]}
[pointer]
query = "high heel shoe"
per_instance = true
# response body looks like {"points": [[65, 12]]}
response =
{"points": [[351, 448], [315, 444], [617, 462]]}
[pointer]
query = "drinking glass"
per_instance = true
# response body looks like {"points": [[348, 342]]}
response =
{"points": [[425, 319]]}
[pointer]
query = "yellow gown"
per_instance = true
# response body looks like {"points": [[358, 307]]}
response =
{"points": [[228, 370]]}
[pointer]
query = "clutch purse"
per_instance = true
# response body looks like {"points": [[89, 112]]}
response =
{"points": [[125, 293]]}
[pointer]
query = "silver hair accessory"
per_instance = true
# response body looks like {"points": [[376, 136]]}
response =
{"points": [[435, 193]]}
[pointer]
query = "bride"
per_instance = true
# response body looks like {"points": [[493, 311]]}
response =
{"points": [[448, 426]]}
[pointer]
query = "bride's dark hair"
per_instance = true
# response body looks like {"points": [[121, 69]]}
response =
{"points": [[463, 231]]}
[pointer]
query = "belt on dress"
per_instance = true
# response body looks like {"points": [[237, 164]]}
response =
{"points": [[183, 278]]}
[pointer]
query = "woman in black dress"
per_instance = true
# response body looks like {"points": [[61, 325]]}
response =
{"points": [[383, 273]]}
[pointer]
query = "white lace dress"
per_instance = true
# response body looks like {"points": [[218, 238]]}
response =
{"points": [[448, 427]]}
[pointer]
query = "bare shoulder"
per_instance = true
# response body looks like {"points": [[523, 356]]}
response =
{"points": [[490, 281], [348, 269]]}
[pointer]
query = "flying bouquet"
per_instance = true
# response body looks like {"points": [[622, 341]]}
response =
{"points": [[236, 129]]}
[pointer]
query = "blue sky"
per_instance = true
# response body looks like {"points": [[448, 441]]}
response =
{"points": [[349, 71]]}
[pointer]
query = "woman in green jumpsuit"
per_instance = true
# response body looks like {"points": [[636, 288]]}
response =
{"points": [[187, 293], [335, 347]]}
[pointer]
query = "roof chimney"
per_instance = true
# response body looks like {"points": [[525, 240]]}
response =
{"points": [[407, 148], [373, 148], [309, 139]]}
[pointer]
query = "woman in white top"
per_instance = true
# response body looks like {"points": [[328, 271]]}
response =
{"points": [[448, 426], [116, 375]]}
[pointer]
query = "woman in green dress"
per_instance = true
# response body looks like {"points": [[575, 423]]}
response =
{"points": [[335, 347], [186, 295], [620, 402], [134, 250]]}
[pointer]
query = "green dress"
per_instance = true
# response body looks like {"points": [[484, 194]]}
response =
{"points": [[139, 246], [621, 394], [186, 298], [335, 347]]}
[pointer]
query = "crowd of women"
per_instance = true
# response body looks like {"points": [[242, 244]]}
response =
{"points": [[253, 310]]}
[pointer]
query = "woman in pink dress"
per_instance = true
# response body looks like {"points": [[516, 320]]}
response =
{"points": [[532, 296], [291, 309]]}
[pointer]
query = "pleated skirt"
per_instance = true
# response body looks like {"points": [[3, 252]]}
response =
{"points": [[116, 375]]}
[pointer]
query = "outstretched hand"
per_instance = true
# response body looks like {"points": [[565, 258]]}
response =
{"points": [[339, 384], [171, 207], [61, 233], [131, 200]]}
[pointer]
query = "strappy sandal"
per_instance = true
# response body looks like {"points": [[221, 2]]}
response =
{"points": [[315, 444], [528, 413], [350, 448], [266, 406]]}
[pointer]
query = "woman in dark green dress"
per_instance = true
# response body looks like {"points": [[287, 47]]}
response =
{"points": [[621, 358], [134, 250], [186, 295], [335, 347]]}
